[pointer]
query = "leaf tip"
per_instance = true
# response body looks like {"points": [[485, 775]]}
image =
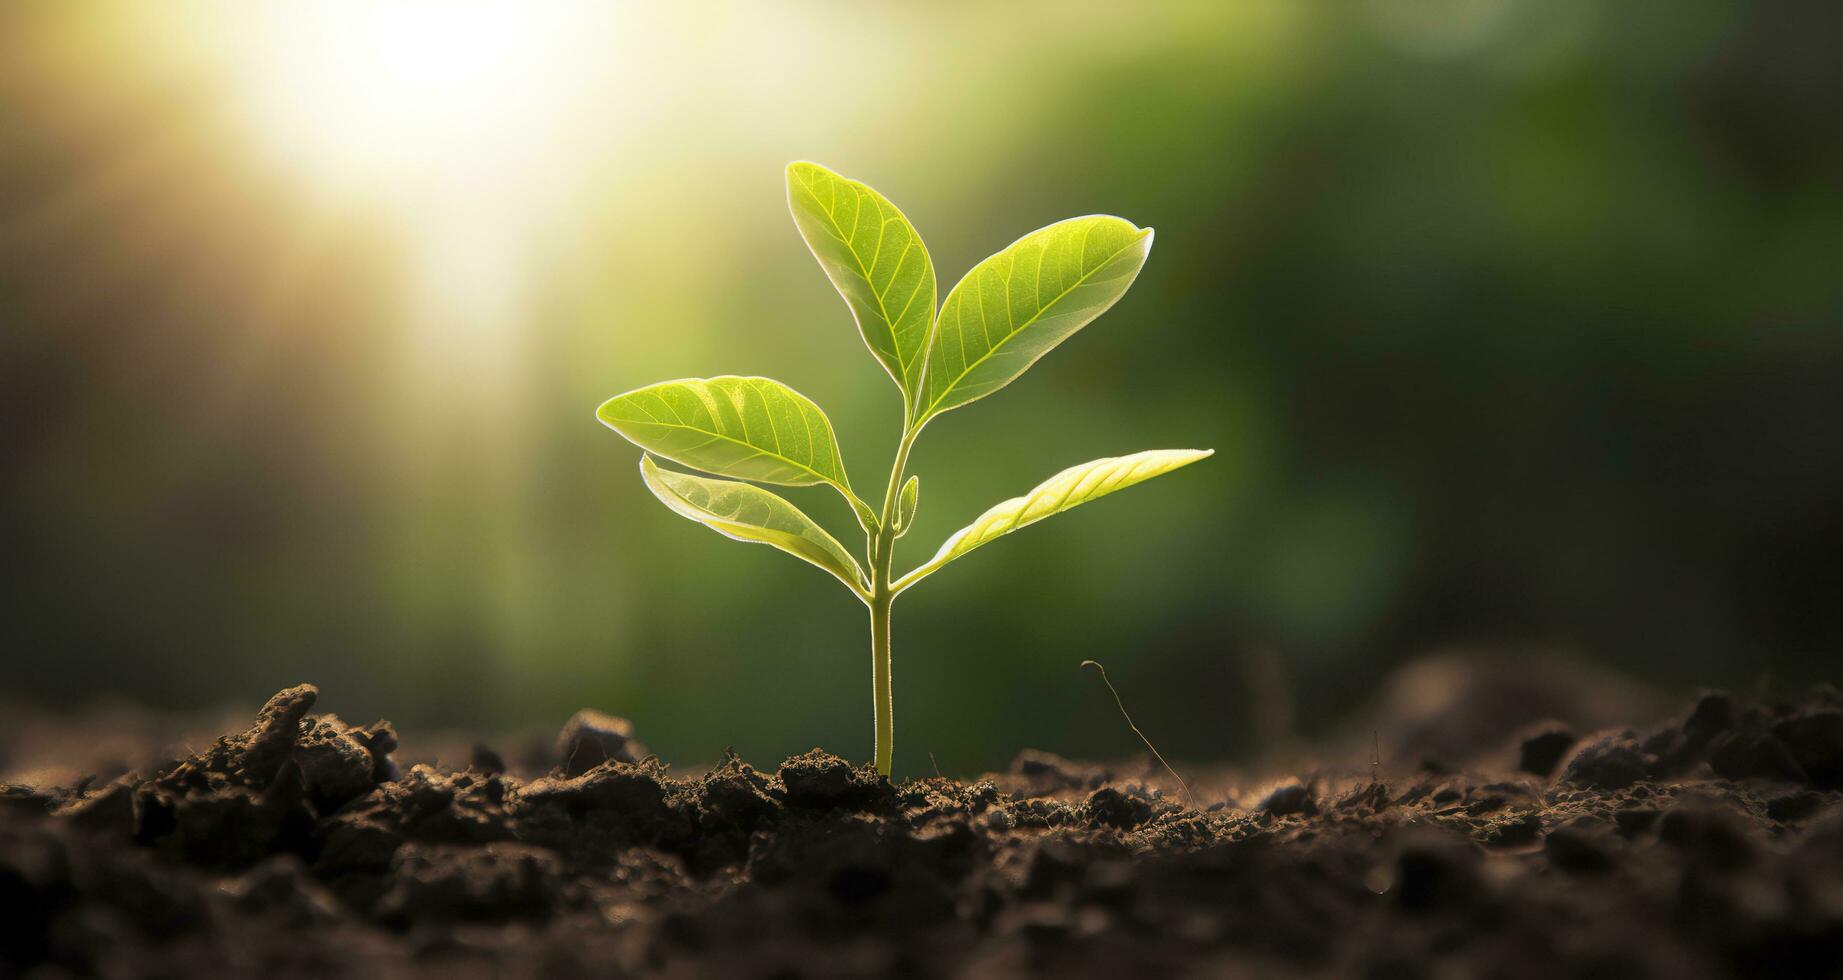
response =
{"points": [[604, 413], [799, 167], [796, 172]]}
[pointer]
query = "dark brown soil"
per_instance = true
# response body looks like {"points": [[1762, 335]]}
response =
{"points": [[1709, 846]]}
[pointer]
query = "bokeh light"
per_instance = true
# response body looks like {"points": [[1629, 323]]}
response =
{"points": [[1513, 323]]}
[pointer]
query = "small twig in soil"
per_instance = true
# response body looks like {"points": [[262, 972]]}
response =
{"points": [[936, 765], [1375, 756], [1148, 742]]}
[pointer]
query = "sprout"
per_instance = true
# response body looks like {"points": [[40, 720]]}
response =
{"points": [[1008, 312]]}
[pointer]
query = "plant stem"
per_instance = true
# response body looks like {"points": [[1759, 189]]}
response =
{"points": [[882, 597], [881, 698]]}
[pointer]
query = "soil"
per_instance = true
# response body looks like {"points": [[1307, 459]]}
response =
{"points": [[1709, 845]]}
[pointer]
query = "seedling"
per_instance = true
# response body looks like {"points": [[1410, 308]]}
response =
{"points": [[1006, 313]]}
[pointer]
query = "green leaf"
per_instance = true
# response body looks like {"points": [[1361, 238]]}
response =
{"points": [[875, 259], [747, 512], [1019, 304], [1071, 488], [747, 428], [905, 505]]}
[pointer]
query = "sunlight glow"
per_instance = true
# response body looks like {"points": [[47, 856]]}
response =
{"points": [[371, 92], [470, 131], [462, 120]]}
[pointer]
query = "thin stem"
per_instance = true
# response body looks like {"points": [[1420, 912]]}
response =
{"points": [[895, 485], [882, 553], [881, 699], [1096, 664]]}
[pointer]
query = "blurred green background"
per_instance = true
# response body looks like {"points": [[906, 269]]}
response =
{"points": [[1512, 322]]}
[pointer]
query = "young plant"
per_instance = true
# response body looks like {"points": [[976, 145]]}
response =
{"points": [[1010, 310]]}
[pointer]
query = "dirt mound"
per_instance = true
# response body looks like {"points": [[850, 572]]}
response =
{"points": [[1710, 846]]}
